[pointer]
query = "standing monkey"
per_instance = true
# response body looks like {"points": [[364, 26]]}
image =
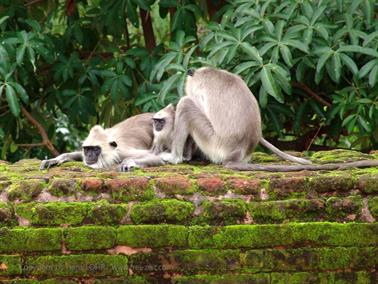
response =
{"points": [[223, 117]]}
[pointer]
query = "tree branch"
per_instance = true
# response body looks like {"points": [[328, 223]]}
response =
{"points": [[311, 93], [30, 3], [45, 139]]}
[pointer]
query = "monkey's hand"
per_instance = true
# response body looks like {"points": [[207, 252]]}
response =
{"points": [[128, 166], [170, 158], [46, 164]]}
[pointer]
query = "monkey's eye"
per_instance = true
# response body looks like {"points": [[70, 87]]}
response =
{"points": [[113, 144], [158, 123]]}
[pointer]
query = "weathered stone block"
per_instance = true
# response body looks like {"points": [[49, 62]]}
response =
{"points": [[92, 185], [25, 190], [287, 187], [89, 238], [212, 185], [103, 213], [368, 184], [245, 186], [286, 210], [324, 183], [373, 206], [63, 187], [28, 240], [186, 261], [10, 265], [53, 213], [261, 278], [344, 209], [222, 212], [84, 265], [152, 236], [174, 185], [162, 211], [128, 189], [7, 217]]}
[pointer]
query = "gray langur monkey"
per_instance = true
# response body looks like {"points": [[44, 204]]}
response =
{"points": [[223, 117], [105, 148]]}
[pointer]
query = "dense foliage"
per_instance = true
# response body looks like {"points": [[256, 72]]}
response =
{"points": [[66, 65]]}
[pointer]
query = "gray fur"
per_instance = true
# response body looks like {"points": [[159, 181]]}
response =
{"points": [[133, 136]]}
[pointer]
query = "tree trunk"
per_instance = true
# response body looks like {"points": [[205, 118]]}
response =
{"points": [[148, 32]]}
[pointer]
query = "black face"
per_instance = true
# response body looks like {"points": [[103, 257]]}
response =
{"points": [[158, 123], [91, 154]]}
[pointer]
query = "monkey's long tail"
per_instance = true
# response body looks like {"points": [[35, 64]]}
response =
{"points": [[294, 168], [283, 155]]}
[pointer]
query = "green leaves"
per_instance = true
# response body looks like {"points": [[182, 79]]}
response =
{"points": [[12, 100], [269, 84]]}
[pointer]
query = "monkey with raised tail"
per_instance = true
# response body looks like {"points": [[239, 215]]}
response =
{"points": [[223, 117]]}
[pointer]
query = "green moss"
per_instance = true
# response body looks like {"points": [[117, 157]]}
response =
{"points": [[373, 206], [291, 234], [103, 213], [84, 265], [286, 210], [26, 240], [35, 281], [261, 278], [125, 280], [7, 217], [338, 156], [152, 236], [130, 189], [25, 190], [368, 184], [54, 213], [89, 238], [341, 209], [261, 157], [10, 265], [222, 212], [331, 182], [162, 211], [63, 187], [186, 261]]}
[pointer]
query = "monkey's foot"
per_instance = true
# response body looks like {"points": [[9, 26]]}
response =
{"points": [[128, 166], [170, 158]]}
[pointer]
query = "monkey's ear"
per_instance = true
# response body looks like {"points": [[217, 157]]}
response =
{"points": [[113, 144], [170, 106], [97, 128]]}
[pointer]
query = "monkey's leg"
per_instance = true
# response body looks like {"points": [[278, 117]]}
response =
{"points": [[66, 157], [189, 120], [149, 160]]}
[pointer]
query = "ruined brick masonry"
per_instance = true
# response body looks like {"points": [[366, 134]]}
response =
{"points": [[189, 224]]}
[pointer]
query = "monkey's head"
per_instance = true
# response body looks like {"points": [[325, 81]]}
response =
{"points": [[163, 121], [99, 151]]}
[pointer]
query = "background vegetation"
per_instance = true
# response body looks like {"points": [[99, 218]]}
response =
{"points": [[66, 65]]}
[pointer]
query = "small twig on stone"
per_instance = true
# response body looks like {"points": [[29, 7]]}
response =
{"points": [[311, 93]]}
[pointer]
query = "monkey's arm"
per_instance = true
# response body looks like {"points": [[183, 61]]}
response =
{"points": [[66, 157], [140, 159]]}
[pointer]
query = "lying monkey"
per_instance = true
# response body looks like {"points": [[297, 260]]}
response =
{"points": [[120, 144], [223, 117]]}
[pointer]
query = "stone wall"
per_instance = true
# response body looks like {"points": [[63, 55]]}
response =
{"points": [[189, 224]]}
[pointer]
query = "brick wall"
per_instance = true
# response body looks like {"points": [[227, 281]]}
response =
{"points": [[188, 224]]}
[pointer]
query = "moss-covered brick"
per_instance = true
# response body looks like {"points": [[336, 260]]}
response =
{"points": [[27, 240], [126, 280], [129, 189], [89, 238], [222, 212], [286, 210], [7, 217], [339, 156], [104, 213], [10, 265], [244, 186], [287, 187], [25, 190], [212, 185], [373, 206], [308, 259], [53, 213], [261, 278], [174, 185], [344, 209], [162, 211], [261, 157], [63, 187], [92, 184], [185, 261], [368, 184], [152, 236], [329, 183], [84, 265], [291, 234]]}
